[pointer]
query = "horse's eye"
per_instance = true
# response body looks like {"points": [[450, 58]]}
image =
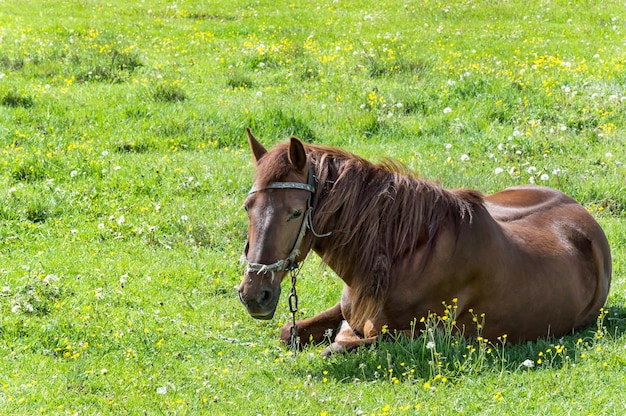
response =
{"points": [[247, 208], [296, 214]]}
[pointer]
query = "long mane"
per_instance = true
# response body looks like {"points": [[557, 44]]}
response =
{"points": [[378, 214]]}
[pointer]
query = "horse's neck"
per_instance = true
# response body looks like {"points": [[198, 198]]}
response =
{"points": [[422, 209]]}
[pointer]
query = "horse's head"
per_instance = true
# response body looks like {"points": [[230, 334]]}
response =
{"points": [[278, 207]]}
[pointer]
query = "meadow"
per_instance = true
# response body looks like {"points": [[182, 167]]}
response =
{"points": [[124, 166]]}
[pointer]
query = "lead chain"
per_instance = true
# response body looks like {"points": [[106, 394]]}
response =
{"points": [[293, 308]]}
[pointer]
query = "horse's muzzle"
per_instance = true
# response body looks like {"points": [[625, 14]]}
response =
{"points": [[260, 301]]}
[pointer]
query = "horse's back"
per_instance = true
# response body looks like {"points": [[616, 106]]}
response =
{"points": [[520, 202]]}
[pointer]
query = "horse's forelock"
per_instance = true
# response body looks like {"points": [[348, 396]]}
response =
{"points": [[273, 166]]}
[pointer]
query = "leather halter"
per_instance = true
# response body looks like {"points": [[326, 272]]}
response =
{"points": [[289, 263]]}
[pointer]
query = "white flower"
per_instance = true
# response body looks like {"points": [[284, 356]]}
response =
{"points": [[544, 177], [73, 173], [528, 363], [430, 345], [498, 171], [447, 110], [464, 158], [161, 390], [50, 278], [448, 146], [531, 169]]}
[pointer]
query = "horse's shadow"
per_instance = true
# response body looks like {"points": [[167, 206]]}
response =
{"points": [[402, 359]]}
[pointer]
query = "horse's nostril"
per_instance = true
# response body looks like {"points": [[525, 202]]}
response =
{"points": [[265, 297]]}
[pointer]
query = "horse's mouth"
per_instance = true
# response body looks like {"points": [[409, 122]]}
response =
{"points": [[262, 316]]}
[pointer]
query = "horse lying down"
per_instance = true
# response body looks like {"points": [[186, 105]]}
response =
{"points": [[530, 258]]}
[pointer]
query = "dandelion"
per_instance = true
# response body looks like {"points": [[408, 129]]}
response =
{"points": [[544, 177], [430, 345], [161, 390], [464, 158], [447, 110], [528, 363], [498, 171]]}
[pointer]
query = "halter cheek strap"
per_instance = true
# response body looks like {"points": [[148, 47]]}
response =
{"points": [[289, 263]]}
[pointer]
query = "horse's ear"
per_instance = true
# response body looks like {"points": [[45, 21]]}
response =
{"points": [[297, 154], [257, 148]]}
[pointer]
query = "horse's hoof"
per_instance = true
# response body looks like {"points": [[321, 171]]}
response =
{"points": [[333, 349]]}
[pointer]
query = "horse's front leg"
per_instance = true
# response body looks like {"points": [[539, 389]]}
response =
{"points": [[347, 340], [317, 329]]}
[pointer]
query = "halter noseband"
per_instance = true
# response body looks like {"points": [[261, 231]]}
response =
{"points": [[289, 263]]}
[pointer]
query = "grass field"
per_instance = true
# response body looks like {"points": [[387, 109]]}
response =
{"points": [[123, 168]]}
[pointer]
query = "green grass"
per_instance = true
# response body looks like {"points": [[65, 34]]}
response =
{"points": [[123, 167]]}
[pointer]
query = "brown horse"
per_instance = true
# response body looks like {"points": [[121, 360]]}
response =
{"points": [[529, 258]]}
